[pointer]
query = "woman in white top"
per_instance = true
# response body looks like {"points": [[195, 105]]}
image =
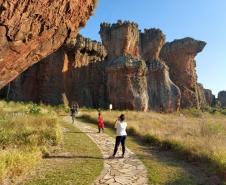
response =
{"points": [[120, 126]]}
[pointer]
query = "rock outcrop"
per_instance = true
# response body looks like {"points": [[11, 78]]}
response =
{"points": [[126, 83], [206, 98], [73, 72], [164, 95], [130, 69], [31, 30], [120, 39], [179, 56], [151, 43], [126, 73], [222, 98], [210, 98]]}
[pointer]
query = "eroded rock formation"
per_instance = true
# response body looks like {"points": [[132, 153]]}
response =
{"points": [[163, 94], [151, 43], [210, 98], [31, 30], [130, 69], [205, 96], [76, 71], [179, 56], [120, 39], [222, 98], [126, 83]]}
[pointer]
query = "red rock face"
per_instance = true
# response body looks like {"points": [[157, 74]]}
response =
{"points": [[151, 42], [164, 95], [126, 83], [72, 73], [120, 39], [179, 56], [31, 30]]}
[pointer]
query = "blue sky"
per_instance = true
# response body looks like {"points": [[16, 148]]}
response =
{"points": [[201, 19]]}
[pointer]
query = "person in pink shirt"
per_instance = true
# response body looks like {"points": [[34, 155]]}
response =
{"points": [[100, 121]]}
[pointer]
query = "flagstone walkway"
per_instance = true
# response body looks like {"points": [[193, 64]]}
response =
{"points": [[118, 171]]}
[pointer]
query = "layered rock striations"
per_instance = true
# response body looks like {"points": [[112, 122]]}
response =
{"points": [[179, 56], [31, 30]]}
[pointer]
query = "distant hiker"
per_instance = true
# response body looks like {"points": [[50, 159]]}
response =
{"points": [[74, 111], [100, 121], [120, 126]]}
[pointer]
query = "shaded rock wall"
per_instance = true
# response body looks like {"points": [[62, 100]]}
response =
{"points": [[210, 98], [164, 95], [179, 56], [126, 83], [222, 98], [31, 30], [72, 73]]}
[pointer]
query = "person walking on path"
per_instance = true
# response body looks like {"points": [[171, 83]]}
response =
{"points": [[74, 111], [100, 121], [121, 134]]}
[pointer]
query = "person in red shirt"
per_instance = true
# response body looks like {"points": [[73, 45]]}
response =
{"points": [[100, 121]]}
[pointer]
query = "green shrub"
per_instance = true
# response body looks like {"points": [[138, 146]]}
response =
{"points": [[34, 109]]}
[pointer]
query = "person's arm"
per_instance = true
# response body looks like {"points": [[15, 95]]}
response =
{"points": [[116, 123]]}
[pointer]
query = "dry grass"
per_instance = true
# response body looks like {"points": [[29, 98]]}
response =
{"points": [[201, 135], [25, 131]]}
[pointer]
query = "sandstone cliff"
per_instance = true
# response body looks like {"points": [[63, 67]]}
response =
{"points": [[73, 72], [120, 39], [130, 69], [151, 43], [210, 98], [31, 30], [179, 56], [222, 98], [126, 83], [163, 94]]}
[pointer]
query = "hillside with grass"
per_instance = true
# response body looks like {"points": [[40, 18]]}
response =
{"points": [[194, 135], [29, 134]]}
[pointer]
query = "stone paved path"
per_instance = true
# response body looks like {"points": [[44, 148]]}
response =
{"points": [[117, 171]]}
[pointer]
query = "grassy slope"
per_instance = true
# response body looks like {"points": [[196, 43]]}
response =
{"points": [[81, 169], [163, 126], [28, 131]]}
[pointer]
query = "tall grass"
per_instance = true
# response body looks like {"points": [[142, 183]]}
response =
{"points": [[197, 134], [25, 131]]}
